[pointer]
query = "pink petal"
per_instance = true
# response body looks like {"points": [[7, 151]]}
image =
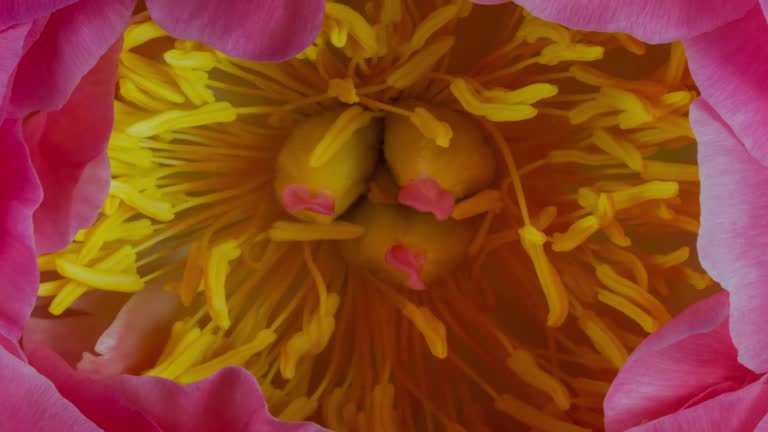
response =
{"points": [[15, 41], [135, 337], [70, 159], [29, 402], [653, 21], [74, 39], [229, 400], [740, 410], [68, 337], [21, 11], [19, 196], [734, 229], [730, 65], [265, 30], [683, 364]]}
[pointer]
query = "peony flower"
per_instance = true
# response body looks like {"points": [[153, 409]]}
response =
{"points": [[429, 219], [687, 377]]}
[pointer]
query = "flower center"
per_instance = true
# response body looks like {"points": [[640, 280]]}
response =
{"points": [[438, 217]]}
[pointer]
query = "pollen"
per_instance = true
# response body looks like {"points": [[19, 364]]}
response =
{"points": [[439, 216]]}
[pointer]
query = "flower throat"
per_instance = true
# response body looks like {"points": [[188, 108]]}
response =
{"points": [[439, 216]]}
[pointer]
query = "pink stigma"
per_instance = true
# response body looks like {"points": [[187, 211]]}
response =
{"points": [[299, 197], [426, 195], [403, 259]]}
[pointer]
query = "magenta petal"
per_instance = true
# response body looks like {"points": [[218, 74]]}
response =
{"points": [[229, 400], [730, 65], [734, 229], [687, 362], [29, 402], [19, 196], [71, 44], [740, 410], [15, 41], [70, 159], [20, 11], [265, 30], [653, 21]]}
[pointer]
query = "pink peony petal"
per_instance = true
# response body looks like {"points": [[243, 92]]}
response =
{"points": [[29, 402], [70, 159], [740, 410], [24, 11], [135, 337], [265, 30], [653, 21], [687, 362], [730, 65], [19, 196], [229, 400], [15, 41], [74, 39], [68, 337], [734, 229]]}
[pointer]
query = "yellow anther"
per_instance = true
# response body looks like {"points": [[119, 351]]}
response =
{"points": [[107, 274], [533, 29], [603, 339], [137, 34], [339, 133], [598, 78], [200, 60], [632, 44], [189, 351], [431, 127], [634, 110], [580, 157], [430, 25], [46, 262], [544, 218], [501, 106], [152, 206], [653, 190], [154, 87], [215, 281], [659, 170], [218, 112], [531, 416], [676, 67], [299, 409], [420, 63], [131, 92], [312, 339], [577, 234], [355, 24], [430, 327], [697, 279], [479, 203], [194, 85], [524, 365], [672, 259], [236, 357], [631, 291], [557, 53], [344, 90], [647, 322], [298, 231], [557, 299], [619, 148]]}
